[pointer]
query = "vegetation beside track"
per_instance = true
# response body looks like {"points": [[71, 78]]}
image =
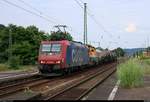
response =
{"points": [[145, 63], [25, 44], [130, 74], [24, 47], [5, 67]]}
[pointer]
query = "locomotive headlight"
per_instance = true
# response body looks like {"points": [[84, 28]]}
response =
{"points": [[58, 62], [42, 62]]}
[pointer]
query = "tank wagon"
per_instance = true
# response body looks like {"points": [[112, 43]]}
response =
{"points": [[63, 57]]}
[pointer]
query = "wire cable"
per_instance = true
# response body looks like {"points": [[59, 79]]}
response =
{"points": [[81, 1], [33, 13], [40, 12], [81, 6], [30, 6], [93, 17], [35, 9]]}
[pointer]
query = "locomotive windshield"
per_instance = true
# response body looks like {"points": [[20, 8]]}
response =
{"points": [[56, 47], [51, 48], [46, 47]]}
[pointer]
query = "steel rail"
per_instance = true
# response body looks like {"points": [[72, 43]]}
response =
{"points": [[79, 83]]}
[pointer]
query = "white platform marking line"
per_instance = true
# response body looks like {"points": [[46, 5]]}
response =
{"points": [[86, 97], [114, 91]]}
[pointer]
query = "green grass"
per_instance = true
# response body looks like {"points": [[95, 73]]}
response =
{"points": [[145, 63], [130, 74], [28, 67], [5, 67]]}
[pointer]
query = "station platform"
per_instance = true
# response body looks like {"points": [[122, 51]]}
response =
{"points": [[12, 75], [103, 91]]}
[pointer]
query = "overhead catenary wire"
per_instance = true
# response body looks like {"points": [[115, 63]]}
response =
{"points": [[37, 10], [29, 11], [93, 18], [38, 14], [30, 6], [100, 25], [81, 1], [81, 6]]}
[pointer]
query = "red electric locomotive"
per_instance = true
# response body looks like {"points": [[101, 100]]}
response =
{"points": [[59, 57]]}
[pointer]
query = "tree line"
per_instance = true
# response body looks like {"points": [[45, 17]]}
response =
{"points": [[25, 43]]}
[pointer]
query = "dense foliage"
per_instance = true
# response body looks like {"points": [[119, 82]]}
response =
{"points": [[99, 48], [119, 52], [138, 54], [148, 48], [25, 43]]}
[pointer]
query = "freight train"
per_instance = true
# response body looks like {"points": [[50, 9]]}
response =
{"points": [[63, 57]]}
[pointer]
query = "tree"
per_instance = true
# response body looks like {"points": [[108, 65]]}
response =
{"points": [[119, 52], [25, 43], [4, 43], [148, 49], [2, 27], [100, 48], [106, 49]]}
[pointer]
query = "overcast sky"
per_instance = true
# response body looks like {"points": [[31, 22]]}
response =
{"points": [[126, 21]]}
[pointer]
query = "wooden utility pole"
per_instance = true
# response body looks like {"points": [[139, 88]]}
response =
{"points": [[85, 24]]}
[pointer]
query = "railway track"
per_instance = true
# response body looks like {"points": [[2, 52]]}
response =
{"points": [[12, 88], [57, 84], [82, 88], [8, 80]]}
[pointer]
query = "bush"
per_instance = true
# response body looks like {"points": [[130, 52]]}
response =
{"points": [[130, 74], [14, 62], [3, 67], [145, 63], [25, 43]]}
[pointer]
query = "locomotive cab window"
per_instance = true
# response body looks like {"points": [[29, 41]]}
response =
{"points": [[46, 47], [56, 48], [51, 48]]}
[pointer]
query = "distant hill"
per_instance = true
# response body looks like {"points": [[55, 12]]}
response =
{"points": [[131, 51]]}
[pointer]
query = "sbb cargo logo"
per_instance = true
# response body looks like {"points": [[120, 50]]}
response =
{"points": [[77, 56]]}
